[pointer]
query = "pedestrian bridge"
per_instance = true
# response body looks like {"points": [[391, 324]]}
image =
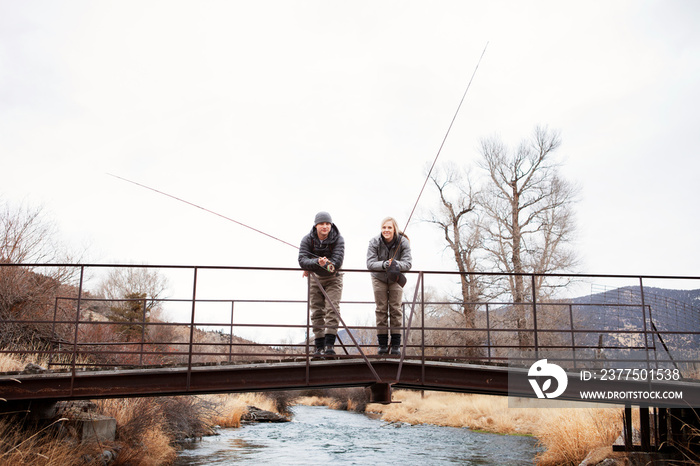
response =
{"points": [[632, 338]]}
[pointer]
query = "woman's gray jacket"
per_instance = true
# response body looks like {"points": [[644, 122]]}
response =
{"points": [[378, 255]]}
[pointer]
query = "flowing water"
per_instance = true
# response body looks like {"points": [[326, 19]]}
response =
{"points": [[319, 435]]}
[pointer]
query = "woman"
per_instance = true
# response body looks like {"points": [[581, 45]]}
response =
{"points": [[388, 255]]}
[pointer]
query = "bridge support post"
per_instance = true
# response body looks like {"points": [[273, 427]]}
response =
{"points": [[380, 393], [645, 428], [648, 434], [662, 426], [627, 426]]}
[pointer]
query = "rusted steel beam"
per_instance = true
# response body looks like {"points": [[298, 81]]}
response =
{"points": [[466, 378], [491, 380], [380, 393], [205, 379], [239, 378]]}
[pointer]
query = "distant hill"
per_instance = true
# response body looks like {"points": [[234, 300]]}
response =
{"points": [[609, 314], [668, 310]]}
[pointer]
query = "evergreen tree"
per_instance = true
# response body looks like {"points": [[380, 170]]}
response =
{"points": [[133, 314]]}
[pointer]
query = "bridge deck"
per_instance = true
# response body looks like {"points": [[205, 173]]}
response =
{"points": [[299, 373]]}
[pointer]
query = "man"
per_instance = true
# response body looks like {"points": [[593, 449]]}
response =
{"points": [[321, 253]]}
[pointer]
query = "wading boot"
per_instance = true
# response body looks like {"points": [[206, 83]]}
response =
{"points": [[319, 343], [330, 341], [395, 344], [383, 344]]}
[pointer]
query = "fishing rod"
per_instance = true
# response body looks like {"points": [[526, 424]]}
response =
{"points": [[447, 133], [330, 267], [449, 128]]}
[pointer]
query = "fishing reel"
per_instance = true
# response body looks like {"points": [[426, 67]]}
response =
{"points": [[329, 265]]}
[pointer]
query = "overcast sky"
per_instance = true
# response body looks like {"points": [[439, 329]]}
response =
{"points": [[269, 111]]}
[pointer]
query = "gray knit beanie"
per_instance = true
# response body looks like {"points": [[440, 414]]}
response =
{"points": [[322, 217]]}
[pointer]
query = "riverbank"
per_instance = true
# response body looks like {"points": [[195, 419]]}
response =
{"points": [[149, 429]]}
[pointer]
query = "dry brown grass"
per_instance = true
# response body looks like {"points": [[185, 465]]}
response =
{"points": [[12, 363], [343, 399], [333, 403], [16, 363], [478, 412], [9, 363], [34, 445], [318, 401], [141, 430], [569, 434]]}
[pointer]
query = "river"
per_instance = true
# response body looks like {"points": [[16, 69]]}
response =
{"points": [[319, 435]]}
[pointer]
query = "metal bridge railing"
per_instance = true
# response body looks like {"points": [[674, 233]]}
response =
{"points": [[214, 321]]}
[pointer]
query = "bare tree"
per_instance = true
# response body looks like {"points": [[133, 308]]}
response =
{"points": [[529, 224], [527, 205], [458, 219], [126, 282], [28, 237], [519, 221]]}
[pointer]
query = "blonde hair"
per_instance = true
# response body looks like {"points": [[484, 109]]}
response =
{"points": [[395, 224]]}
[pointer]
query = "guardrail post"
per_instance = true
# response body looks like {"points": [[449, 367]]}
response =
{"points": [[307, 349], [143, 333], [77, 322], [422, 343], [534, 316], [191, 347], [404, 335], [488, 333], [230, 335], [644, 324], [573, 334], [645, 428], [627, 426], [407, 330], [53, 330]]}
